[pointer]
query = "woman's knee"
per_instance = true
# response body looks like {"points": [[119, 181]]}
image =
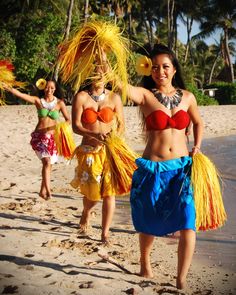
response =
{"points": [[46, 162]]}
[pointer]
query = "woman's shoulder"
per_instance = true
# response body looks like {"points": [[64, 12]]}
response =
{"points": [[112, 94], [81, 94], [187, 94]]}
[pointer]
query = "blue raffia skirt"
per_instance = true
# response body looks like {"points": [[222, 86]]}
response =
{"points": [[162, 196]]}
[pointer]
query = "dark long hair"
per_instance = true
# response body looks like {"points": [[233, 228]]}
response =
{"points": [[177, 81]]}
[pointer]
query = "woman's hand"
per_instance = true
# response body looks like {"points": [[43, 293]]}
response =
{"points": [[101, 136], [6, 87], [194, 151]]}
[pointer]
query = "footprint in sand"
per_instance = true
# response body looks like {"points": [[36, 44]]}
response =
{"points": [[86, 285], [5, 185], [10, 290], [29, 255]]}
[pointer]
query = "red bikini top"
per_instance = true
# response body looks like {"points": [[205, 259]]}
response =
{"points": [[159, 120], [90, 116]]}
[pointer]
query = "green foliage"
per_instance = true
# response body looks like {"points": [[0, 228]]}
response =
{"points": [[37, 45], [31, 31], [201, 98], [225, 93], [7, 46], [188, 74]]}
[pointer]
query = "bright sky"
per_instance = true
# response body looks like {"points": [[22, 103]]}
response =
{"points": [[182, 34]]}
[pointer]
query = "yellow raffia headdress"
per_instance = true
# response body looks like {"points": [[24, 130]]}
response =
{"points": [[7, 79], [210, 211], [77, 57]]}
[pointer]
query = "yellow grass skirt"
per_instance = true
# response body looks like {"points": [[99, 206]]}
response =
{"points": [[210, 211], [113, 163], [64, 140], [121, 159]]}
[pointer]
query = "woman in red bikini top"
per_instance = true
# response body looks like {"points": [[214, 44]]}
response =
{"points": [[167, 109], [159, 181]]}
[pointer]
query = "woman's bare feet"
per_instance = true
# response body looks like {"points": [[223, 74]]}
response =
{"points": [[106, 241], [84, 224], [180, 284], [44, 193], [45, 196], [146, 272], [84, 229]]}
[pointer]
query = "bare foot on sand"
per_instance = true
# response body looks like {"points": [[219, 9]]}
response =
{"points": [[84, 229], [45, 196], [180, 284], [146, 272], [106, 241]]}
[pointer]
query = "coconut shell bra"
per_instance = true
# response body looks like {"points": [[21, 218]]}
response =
{"points": [[159, 120], [90, 116]]}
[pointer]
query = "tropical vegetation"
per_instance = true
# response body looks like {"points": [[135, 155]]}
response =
{"points": [[31, 31]]}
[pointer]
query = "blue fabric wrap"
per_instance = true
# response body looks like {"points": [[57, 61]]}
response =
{"points": [[162, 196]]}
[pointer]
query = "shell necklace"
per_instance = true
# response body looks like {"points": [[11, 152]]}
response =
{"points": [[170, 102], [99, 97], [49, 105]]}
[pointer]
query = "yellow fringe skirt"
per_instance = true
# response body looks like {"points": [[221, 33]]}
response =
{"points": [[210, 211], [105, 170]]}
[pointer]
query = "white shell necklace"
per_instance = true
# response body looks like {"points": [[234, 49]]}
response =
{"points": [[99, 97], [49, 105]]}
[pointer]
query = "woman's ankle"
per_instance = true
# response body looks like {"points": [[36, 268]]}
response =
{"points": [[146, 270], [180, 283]]}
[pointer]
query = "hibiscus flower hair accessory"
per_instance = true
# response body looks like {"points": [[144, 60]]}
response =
{"points": [[143, 65], [41, 84]]}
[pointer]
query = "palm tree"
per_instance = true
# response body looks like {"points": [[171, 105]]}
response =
{"points": [[188, 15], [220, 15], [215, 50]]}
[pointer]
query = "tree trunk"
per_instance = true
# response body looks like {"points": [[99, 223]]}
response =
{"points": [[227, 55], [151, 32], [129, 7], [86, 15], [148, 33], [68, 20], [189, 29], [212, 70], [66, 34], [170, 21]]}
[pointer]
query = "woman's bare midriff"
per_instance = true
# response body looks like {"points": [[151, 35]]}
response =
{"points": [[166, 145], [46, 125], [96, 128]]}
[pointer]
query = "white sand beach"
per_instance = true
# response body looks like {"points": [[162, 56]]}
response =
{"points": [[41, 251]]}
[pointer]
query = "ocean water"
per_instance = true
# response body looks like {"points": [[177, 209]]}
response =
{"points": [[215, 247], [218, 247]]}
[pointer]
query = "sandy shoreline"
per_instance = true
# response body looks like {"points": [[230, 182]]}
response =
{"points": [[41, 252]]}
